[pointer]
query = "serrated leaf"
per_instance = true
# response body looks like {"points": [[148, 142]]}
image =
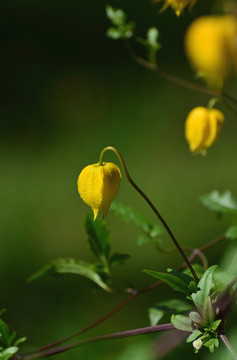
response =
{"points": [[130, 215], [118, 259], [205, 284], [98, 237], [155, 315], [171, 280], [182, 322], [195, 334], [231, 233], [222, 203], [71, 266]]}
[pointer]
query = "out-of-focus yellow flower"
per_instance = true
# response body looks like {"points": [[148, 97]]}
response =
{"points": [[211, 46], [98, 185], [202, 128], [177, 5]]}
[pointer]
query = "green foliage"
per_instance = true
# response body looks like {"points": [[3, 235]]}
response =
{"points": [[98, 237], [151, 231], [221, 203], [205, 285], [122, 29], [168, 307], [231, 232], [177, 280], [8, 342], [201, 324], [71, 266], [182, 322], [100, 271]]}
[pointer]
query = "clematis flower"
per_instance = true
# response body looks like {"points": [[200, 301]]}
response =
{"points": [[98, 185], [202, 128], [177, 5], [211, 47]]}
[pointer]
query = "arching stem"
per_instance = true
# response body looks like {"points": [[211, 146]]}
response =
{"points": [[160, 217]]}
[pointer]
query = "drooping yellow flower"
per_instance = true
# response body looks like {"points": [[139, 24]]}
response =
{"points": [[202, 128], [177, 5], [211, 47], [98, 185]]}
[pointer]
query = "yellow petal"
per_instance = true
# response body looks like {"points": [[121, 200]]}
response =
{"points": [[196, 128], [216, 119], [98, 186]]}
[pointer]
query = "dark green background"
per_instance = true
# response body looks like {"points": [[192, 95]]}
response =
{"points": [[67, 91]]}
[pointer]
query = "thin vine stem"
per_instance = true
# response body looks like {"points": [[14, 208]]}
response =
{"points": [[228, 346], [116, 335], [134, 294], [152, 206], [227, 99]]}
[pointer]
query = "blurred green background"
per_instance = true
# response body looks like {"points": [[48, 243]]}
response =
{"points": [[67, 91]]}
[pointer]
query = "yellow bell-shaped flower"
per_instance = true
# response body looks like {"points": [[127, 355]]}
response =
{"points": [[177, 5], [202, 128], [98, 185], [211, 47]]}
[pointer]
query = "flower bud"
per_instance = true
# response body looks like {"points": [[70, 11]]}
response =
{"points": [[177, 5], [197, 344], [211, 47], [98, 185], [202, 128]]}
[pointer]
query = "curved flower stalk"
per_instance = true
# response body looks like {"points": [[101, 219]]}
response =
{"points": [[177, 5], [211, 47], [202, 128]]}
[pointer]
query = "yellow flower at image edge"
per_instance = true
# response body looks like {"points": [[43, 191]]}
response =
{"points": [[177, 5], [202, 128], [211, 47], [98, 185]]}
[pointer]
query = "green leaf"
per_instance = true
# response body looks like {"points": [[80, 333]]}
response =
{"points": [[195, 317], [205, 285], [206, 310], [216, 324], [182, 322], [118, 259], [184, 277], [5, 334], [168, 307], [231, 232], [98, 238], [171, 280], [130, 215], [116, 16], [71, 266], [197, 268], [8, 353], [222, 203], [155, 315], [195, 334]]}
